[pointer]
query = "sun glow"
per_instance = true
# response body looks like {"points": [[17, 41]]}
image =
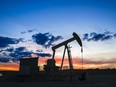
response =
{"points": [[77, 64], [9, 66]]}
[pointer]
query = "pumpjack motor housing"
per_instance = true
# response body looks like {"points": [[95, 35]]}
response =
{"points": [[51, 66]]}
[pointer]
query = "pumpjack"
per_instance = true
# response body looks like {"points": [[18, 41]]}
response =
{"points": [[51, 67]]}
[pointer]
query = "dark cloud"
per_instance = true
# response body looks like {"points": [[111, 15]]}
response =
{"points": [[7, 49], [44, 54], [19, 53], [28, 31], [4, 60], [16, 56], [1, 50], [22, 52], [10, 49], [23, 32], [5, 41], [39, 50], [45, 39], [93, 34], [32, 30], [85, 36], [20, 49], [114, 35], [107, 35]]}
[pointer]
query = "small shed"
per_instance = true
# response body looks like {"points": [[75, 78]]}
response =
{"points": [[28, 66]]}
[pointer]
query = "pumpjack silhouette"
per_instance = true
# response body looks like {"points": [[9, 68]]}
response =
{"points": [[51, 67]]}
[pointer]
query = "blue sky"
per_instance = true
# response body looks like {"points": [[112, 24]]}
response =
{"points": [[61, 18]]}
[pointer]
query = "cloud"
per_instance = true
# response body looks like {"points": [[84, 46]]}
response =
{"points": [[100, 62], [94, 62], [10, 49], [5, 41], [22, 52], [39, 50], [4, 60], [45, 39], [110, 60], [44, 54], [7, 49], [19, 53], [93, 36], [28, 31], [31, 30], [11, 53], [15, 54], [85, 36], [23, 32], [115, 35], [20, 49]]}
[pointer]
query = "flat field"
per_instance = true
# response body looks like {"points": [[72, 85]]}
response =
{"points": [[95, 78]]}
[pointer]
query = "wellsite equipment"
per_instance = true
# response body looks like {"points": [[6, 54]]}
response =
{"points": [[51, 67]]}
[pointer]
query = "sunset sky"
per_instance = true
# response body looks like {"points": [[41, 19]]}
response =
{"points": [[29, 28]]}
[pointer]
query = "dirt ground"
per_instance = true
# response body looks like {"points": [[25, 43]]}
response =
{"points": [[93, 81], [97, 79], [58, 84]]}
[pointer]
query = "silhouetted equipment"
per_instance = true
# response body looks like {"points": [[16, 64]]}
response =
{"points": [[75, 37], [50, 66], [28, 66]]}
